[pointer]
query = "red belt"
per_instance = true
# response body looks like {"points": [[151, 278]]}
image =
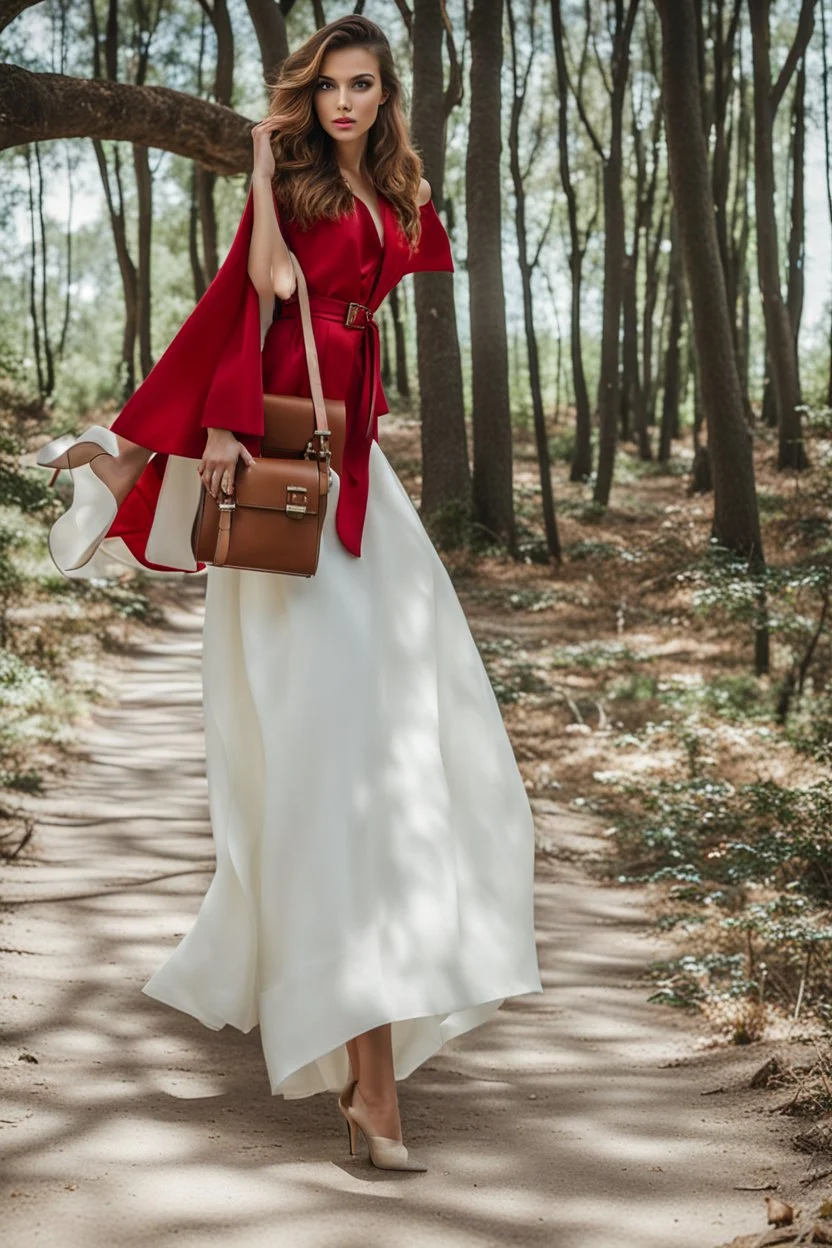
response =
{"points": [[354, 316], [361, 397]]}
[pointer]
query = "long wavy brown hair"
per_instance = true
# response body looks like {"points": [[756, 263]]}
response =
{"points": [[307, 181]]}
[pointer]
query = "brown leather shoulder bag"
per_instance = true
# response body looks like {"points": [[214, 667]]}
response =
{"points": [[273, 520]]}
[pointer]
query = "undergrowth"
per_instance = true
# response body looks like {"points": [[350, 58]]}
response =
{"points": [[51, 628]]}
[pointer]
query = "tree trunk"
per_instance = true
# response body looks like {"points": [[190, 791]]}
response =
{"points": [[673, 357], [400, 344], [779, 331], [581, 467], [446, 474], [527, 267], [493, 492], [651, 295], [269, 22], [797, 233], [144, 197], [827, 147], [127, 268], [614, 259], [197, 271], [632, 372], [736, 522]]}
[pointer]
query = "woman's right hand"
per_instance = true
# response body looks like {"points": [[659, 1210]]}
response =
{"points": [[261, 136], [219, 459]]}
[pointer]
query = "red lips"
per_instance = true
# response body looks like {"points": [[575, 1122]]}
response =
{"points": [[343, 121]]}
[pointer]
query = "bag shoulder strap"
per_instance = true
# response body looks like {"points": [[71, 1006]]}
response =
{"points": [[309, 344]]}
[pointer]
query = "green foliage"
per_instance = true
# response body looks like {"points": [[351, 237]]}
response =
{"points": [[748, 872], [597, 655], [687, 981], [562, 445], [46, 620], [734, 697], [511, 672], [594, 550], [451, 526]]}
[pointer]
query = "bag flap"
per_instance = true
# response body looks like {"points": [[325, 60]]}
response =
{"points": [[265, 483], [289, 421]]}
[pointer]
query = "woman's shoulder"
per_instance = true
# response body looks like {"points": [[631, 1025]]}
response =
{"points": [[424, 194]]}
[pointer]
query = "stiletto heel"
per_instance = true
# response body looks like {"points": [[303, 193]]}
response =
{"points": [[386, 1153], [75, 536], [344, 1098]]}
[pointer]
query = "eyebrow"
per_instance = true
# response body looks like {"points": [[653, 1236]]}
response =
{"points": [[366, 75]]}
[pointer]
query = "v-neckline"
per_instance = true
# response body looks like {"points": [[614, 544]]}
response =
{"points": [[381, 242]]}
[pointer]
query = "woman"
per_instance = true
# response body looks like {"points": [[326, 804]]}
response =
{"points": [[375, 847]]}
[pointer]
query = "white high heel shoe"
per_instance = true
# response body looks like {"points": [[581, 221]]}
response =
{"points": [[76, 535]]}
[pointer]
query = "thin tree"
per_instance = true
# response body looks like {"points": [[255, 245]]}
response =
{"points": [[493, 492], [635, 391], [145, 23], [222, 90], [520, 170], [446, 474], [581, 467], [827, 147], [736, 522], [620, 22], [268, 17], [780, 337], [41, 342], [669, 427], [796, 250]]}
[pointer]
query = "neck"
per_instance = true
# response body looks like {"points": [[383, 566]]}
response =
{"points": [[351, 157]]}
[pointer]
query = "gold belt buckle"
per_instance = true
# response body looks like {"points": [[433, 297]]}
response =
{"points": [[352, 311]]}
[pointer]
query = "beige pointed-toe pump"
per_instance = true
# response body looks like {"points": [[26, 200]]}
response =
{"points": [[386, 1153]]}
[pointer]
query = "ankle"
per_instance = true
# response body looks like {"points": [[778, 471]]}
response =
{"points": [[376, 1097], [121, 472]]}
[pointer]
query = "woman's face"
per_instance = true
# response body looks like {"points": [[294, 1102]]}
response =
{"points": [[349, 87]]}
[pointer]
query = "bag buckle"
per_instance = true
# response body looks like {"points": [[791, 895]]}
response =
{"points": [[229, 505], [323, 449], [352, 315], [296, 508]]}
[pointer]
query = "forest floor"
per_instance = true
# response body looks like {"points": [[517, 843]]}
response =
{"points": [[587, 1117]]}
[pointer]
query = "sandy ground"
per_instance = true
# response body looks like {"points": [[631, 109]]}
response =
{"points": [[575, 1119]]}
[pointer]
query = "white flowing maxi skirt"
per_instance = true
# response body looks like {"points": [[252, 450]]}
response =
{"points": [[374, 840]]}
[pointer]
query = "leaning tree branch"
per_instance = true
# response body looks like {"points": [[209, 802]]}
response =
{"points": [[9, 9], [53, 106], [407, 15], [454, 90], [803, 34]]}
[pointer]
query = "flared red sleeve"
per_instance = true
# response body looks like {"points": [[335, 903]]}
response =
{"points": [[210, 375], [433, 254]]}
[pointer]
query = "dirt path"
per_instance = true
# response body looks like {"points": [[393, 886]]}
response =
{"points": [[565, 1121]]}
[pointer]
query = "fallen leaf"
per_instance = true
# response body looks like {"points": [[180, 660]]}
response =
{"points": [[779, 1213]]}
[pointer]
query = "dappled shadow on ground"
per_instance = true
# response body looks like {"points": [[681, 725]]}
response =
{"points": [[559, 1122]]}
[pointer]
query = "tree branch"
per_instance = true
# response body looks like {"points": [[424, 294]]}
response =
{"points": [[9, 10], [53, 106], [805, 26], [407, 15], [578, 91]]}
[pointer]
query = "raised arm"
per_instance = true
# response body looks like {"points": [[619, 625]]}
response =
{"points": [[269, 266]]}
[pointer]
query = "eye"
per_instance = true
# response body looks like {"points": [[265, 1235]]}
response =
{"points": [[363, 82], [321, 85]]}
